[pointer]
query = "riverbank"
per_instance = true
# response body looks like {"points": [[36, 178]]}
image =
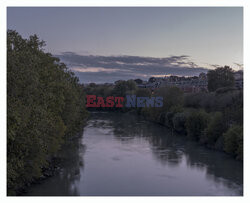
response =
{"points": [[55, 164], [176, 122], [213, 119]]}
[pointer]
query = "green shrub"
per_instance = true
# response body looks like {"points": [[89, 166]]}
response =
{"points": [[216, 127], [179, 121], [234, 141], [196, 124], [220, 77], [172, 96]]}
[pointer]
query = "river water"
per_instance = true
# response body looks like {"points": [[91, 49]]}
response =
{"points": [[122, 154]]}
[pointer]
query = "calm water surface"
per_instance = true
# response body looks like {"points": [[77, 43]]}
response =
{"points": [[121, 154]]}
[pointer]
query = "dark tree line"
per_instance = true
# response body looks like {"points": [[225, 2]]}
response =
{"points": [[219, 78], [45, 107]]}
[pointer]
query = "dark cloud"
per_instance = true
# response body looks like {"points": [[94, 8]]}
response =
{"points": [[90, 68]]}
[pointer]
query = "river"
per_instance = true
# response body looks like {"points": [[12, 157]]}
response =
{"points": [[122, 154]]}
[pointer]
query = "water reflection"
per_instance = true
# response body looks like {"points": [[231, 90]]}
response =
{"points": [[122, 154], [169, 149]]}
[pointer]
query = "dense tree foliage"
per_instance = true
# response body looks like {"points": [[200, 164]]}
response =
{"points": [[179, 122], [234, 141], [215, 128], [138, 81], [196, 124], [45, 107], [220, 77], [124, 87], [205, 117]]}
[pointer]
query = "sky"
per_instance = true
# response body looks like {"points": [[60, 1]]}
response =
{"points": [[106, 44]]}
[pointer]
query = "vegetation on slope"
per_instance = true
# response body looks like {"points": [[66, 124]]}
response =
{"points": [[45, 107]]}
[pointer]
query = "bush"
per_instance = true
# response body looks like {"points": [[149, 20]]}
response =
{"points": [[194, 100], [234, 141], [122, 87], [216, 127], [220, 77], [196, 124], [179, 121], [172, 96], [223, 90]]}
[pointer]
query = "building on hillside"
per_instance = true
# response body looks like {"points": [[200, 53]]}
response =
{"points": [[187, 84]]}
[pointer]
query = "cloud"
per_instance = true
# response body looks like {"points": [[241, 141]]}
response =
{"points": [[239, 66], [214, 65], [91, 68]]}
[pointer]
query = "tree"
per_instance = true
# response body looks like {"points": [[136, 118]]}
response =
{"points": [[172, 97], [143, 92], [152, 79], [220, 77], [45, 106], [122, 87], [138, 81], [216, 127], [234, 141], [196, 124]]}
